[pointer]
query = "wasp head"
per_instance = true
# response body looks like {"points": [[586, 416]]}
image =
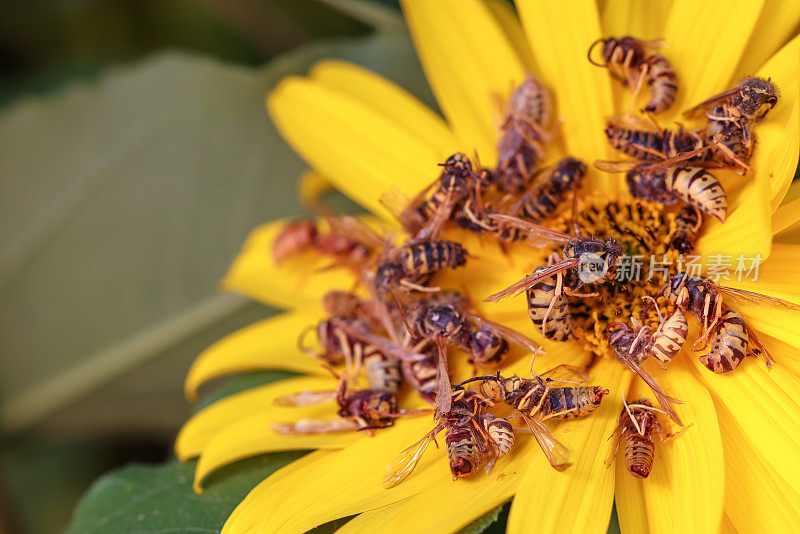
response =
{"points": [[755, 93]]}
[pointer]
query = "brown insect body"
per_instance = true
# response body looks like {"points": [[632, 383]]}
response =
{"points": [[519, 148], [544, 197], [571, 402], [628, 59], [636, 429], [414, 262], [295, 238], [729, 344], [548, 309], [687, 224], [451, 191]]}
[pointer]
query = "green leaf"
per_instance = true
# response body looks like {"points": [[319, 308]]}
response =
{"points": [[123, 202], [143, 499]]}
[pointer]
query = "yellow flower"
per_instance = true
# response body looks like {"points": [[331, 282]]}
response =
{"points": [[736, 469]]}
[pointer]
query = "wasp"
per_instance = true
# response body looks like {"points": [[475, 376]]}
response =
{"points": [[731, 116], [523, 130], [544, 197], [583, 260], [412, 263], [637, 424], [536, 400], [729, 344], [473, 439], [361, 410], [705, 300], [687, 225], [633, 346], [341, 241], [421, 375], [643, 140], [630, 61]]}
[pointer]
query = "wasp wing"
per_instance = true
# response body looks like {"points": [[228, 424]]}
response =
{"points": [[356, 230], [751, 297], [306, 398], [314, 426], [508, 333], [532, 279], [713, 100], [404, 463], [663, 399], [444, 391], [556, 453], [385, 346], [538, 235], [623, 165]]}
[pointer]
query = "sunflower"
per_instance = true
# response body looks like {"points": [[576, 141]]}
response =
{"points": [[735, 468]]}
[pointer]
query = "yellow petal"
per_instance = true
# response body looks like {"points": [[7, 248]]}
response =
{"points": [[509, 22], [777, 22], [756, 497], [763, 406], [777, 277], [685, 489], [433, 510], [294, 283], [249, 513], [268, 344], [560, 33], [356, 472], [579, 498], [706, 40], [468, 61], [205, 424], [254, 435], [643, 20], [311, 186], [727, 526], [787, 216], [363, 152], [629, 500], [779, 133], [388, 99]]}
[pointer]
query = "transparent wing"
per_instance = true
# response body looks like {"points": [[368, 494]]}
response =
{"points": [[404, 463], [623, 165], [556, 453], [387, 347], [713, 100], [444, 391], [356, 230], [537, 235], [306, 398], [749, 297], [531, 280], [314, 426], [508, 333], [663, 399]]}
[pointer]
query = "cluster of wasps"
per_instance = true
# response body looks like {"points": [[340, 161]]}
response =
{"points": [[395, 327]]}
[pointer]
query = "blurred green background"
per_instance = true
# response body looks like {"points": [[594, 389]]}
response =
{"points": [[134, 155]]}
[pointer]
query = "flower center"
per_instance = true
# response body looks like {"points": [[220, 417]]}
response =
{"points": [[645, 230]]}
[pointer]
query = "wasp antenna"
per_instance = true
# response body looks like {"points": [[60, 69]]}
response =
{"points": [[589, 53]]}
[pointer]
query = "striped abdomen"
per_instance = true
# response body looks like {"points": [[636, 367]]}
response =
{"points": [[383, 374], [557, 325], [486, 347], [639, 144], [687, 223], [425, 258], [500, 432], [639, 453], [571, 402], [670, 337], [463, 451], [729, 344], [542, 200], [532, 101], [422, 376], [731, 134], [699, 188], [662, 84]]}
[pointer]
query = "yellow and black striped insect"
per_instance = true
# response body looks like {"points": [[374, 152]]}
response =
{"points": [[731, 116], [630, 61], [549, 190], [524, 128], [584, 260], [729, 344], [637, 424], [687, 225], [411, 264]]}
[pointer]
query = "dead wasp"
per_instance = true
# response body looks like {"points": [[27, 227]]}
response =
{"points": [[633, 346], [705, 299], [731, 116], [729, 344], [583, 260], [542, 199], [519, 148], [637, 423], [671, 178], [644, 140], [536, 400], [364, 409], [473, 439], [339, 242], [687, 224], [630, 61], [410, 264]]}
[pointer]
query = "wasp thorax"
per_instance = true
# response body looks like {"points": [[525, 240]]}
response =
{"points": [[755, 93], [441, 320]]}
